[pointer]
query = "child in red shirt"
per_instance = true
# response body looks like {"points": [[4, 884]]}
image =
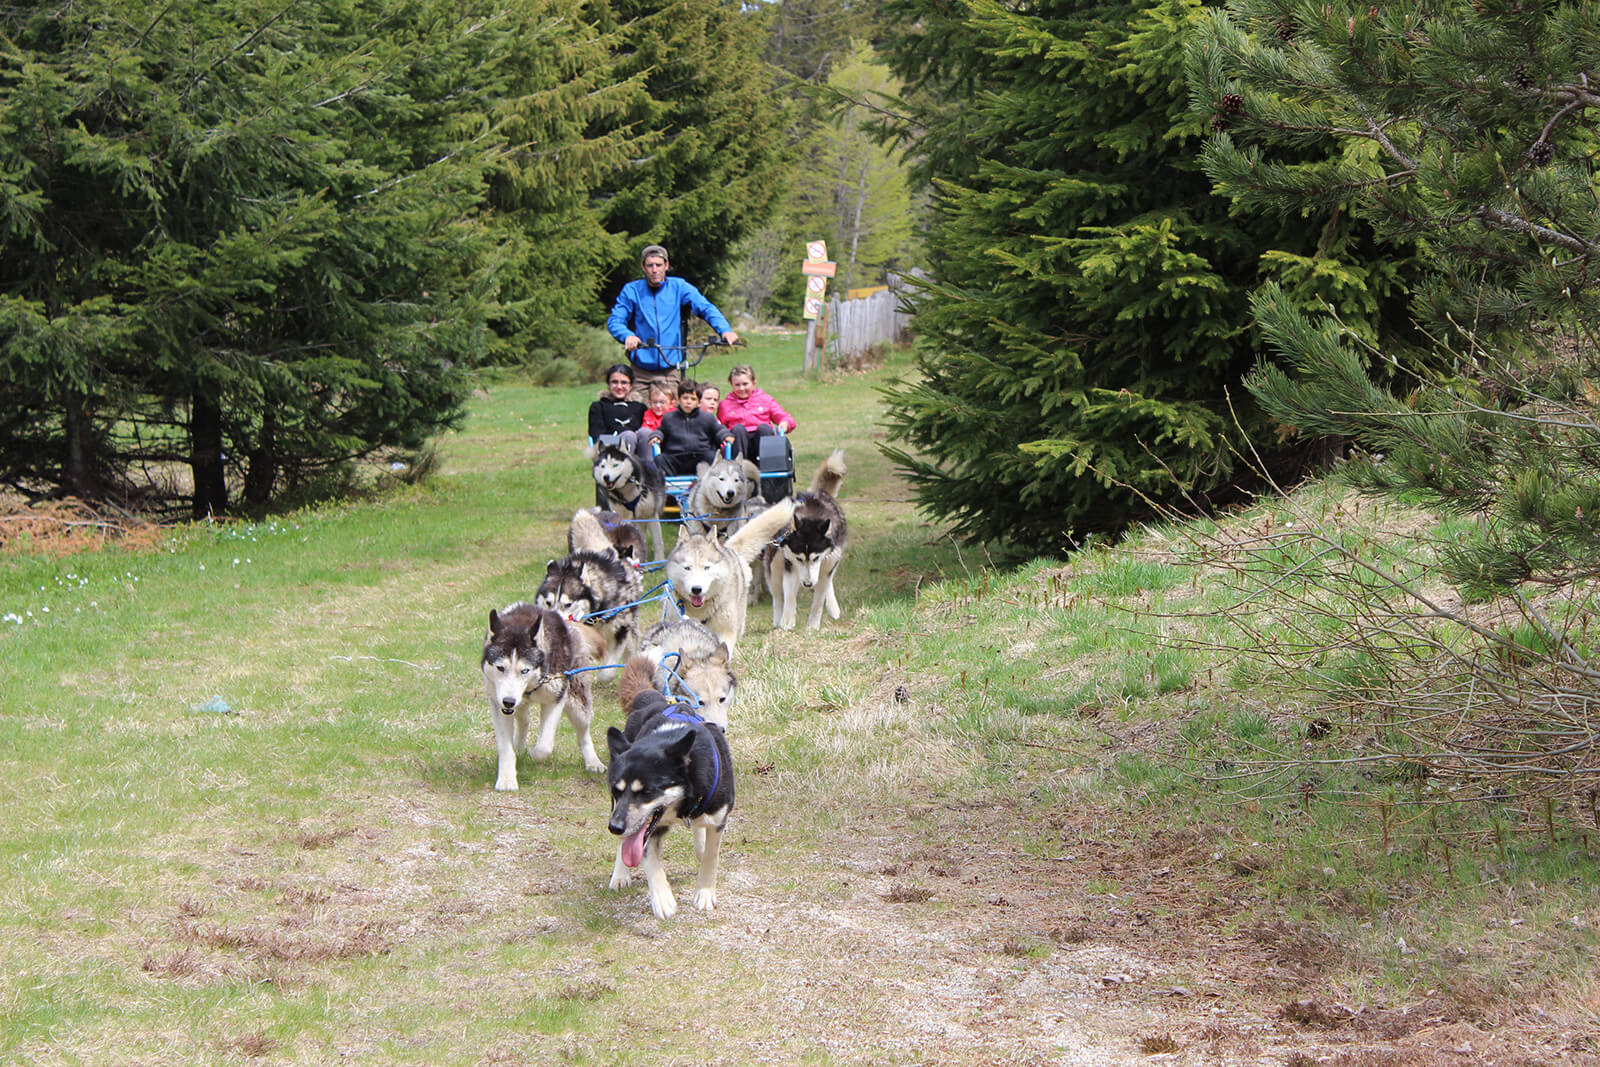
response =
{"points": [[660, 403]]}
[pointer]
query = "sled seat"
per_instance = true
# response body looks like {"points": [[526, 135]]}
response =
{"points": [[776, 461]]}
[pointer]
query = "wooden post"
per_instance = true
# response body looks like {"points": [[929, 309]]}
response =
{"points": [[818, 269]]}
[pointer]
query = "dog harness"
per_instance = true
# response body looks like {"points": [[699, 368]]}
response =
{"points": [[629, 504], [692, 720]]}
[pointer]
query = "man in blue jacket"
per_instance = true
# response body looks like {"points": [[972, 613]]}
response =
{"points": [[649, 313]]}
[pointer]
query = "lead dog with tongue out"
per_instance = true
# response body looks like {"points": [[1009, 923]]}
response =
{"points": [[668, 766]]}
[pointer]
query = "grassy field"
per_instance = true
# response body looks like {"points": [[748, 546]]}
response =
{"points": [[989, 816]]}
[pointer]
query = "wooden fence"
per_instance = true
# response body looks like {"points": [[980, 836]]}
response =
{"points": [[857, 326]]}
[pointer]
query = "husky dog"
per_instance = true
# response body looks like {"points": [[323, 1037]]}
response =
{"points": [[596, 588], [698, 659], [526, 656], [633, 488], [809, 553], [668, 766], [711, 575], [597, 528], [720, 495]]}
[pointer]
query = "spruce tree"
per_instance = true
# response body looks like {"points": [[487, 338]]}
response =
{"points": [[1088, 320], [713, 160], [246, 239], [1465, 129]]}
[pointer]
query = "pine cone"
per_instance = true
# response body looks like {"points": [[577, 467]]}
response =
{"points": [[1219, 123], [1232, 103], [1541, 153], [1285, 29], [1521, 77]]}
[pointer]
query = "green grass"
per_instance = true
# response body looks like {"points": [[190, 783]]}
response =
{"points": [[245, 778]]}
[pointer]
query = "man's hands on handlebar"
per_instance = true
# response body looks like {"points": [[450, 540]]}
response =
{"points": [[631, 342]]}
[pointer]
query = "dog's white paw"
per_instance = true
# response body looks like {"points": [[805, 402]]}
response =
{"points": [[593, 765], [705, 899], [542, 752], [665, 906], [621, 878], [506, 780]]}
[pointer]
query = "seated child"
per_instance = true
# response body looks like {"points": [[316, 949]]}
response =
{"points": [[710, 396], [614, 413], [688, 435], [660, 404], [749, 412]]}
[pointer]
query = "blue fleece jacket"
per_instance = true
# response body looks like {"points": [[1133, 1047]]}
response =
{"points": [[656, 318]]}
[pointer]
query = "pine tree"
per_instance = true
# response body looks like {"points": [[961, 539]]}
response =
{"points": [[1467, 129], [246, 239], [1088, 320], [713, 159]]}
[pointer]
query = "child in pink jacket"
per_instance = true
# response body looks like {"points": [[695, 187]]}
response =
{"points": [[749, 412]]}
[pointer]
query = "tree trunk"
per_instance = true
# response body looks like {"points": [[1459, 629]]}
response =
{"points": [[206, 457], [77, 466], [262, 470]]}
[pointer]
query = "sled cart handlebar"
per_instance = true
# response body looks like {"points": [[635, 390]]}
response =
{"points": [[685, 356]]}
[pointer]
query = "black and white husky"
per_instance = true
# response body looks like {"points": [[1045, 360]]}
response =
{"points": [[633, 488], [527, 656], [594, 587], [808, 554], [668, 766]]}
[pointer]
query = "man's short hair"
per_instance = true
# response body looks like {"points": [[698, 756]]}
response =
{"points": [[654, 250], [689, 387]]}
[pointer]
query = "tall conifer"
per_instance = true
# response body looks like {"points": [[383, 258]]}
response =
{"points": [[1468, 129], [1089, 313], [248, 238], [713, 160]]}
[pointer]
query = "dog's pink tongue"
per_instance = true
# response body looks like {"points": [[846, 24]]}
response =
{"points": [[697, 601], [633, 847]]}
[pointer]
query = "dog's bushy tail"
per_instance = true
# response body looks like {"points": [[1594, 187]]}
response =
{"points": [[585, 534], [638, 676], [753, 536], [830, 475]]}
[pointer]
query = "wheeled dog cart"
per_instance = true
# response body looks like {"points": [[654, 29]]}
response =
{"points": [[775, 452]]}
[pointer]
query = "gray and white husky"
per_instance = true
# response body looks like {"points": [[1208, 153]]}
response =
{"points": [[633, 488], [527, 655], [592, 586], [699, 665], [710, 574], [669, 766], [808, 554], [721, 494]]}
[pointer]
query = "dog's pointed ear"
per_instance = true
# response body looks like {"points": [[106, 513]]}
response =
{"points": [[616, 742], [751, 471], [680, 747], [550, 568], [494, 621], [721, 657], [700, 469], [538, 620]]}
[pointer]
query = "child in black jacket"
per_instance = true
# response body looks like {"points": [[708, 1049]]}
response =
{"points": [[688, 435], [614, 413]]}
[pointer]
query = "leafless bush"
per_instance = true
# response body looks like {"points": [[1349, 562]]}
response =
{"points": [[1498, 698]]}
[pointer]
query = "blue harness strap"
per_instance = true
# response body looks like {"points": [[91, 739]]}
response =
{"points": [[693, 720]]}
